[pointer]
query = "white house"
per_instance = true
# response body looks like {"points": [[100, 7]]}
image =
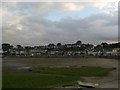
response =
{"points": [[68, 45], [94, 53], [35, 52], [115, 51], [52, 52]]}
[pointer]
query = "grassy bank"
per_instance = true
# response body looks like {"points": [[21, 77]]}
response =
{"points": [[45, 77], [74, 71], [27, 80]]}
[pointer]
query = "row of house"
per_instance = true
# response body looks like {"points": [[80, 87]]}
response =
{"points": [[63, 50], [24, 52], [113, 52], [40, 52]]}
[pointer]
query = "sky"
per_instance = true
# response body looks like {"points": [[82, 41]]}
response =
{"points": [[41, 23]]}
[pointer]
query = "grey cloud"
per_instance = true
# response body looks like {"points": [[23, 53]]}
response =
{"points": [[38, 31]]}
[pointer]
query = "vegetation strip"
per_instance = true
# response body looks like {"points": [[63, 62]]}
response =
{"points": [[51, 77]]}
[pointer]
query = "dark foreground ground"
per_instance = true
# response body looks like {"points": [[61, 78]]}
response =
{"points": [[55, 72]]}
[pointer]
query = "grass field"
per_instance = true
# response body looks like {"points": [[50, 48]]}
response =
{"points": [[51, 77], [28, 80], [75, 71], [46, 73]]}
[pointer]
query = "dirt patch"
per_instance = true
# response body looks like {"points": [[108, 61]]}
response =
{"points": [[110, 81]]}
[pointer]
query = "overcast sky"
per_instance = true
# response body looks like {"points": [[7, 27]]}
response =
{"points": [[38, 23]]}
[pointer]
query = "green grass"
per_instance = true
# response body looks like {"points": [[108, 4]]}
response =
{"points": [[44, 77], [74, 71], [24, 80]]}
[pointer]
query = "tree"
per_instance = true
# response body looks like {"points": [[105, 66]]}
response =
{"points": [[115, 45], [59, 44], [89, 46], [11, 46], [51, 46], [83, 47], [19, 48], [27, 49], [6, 47], [98, 48], [104, 45], [78, 42]]}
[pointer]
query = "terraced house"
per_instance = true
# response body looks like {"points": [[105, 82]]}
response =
{"points": [[75, 49]]}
